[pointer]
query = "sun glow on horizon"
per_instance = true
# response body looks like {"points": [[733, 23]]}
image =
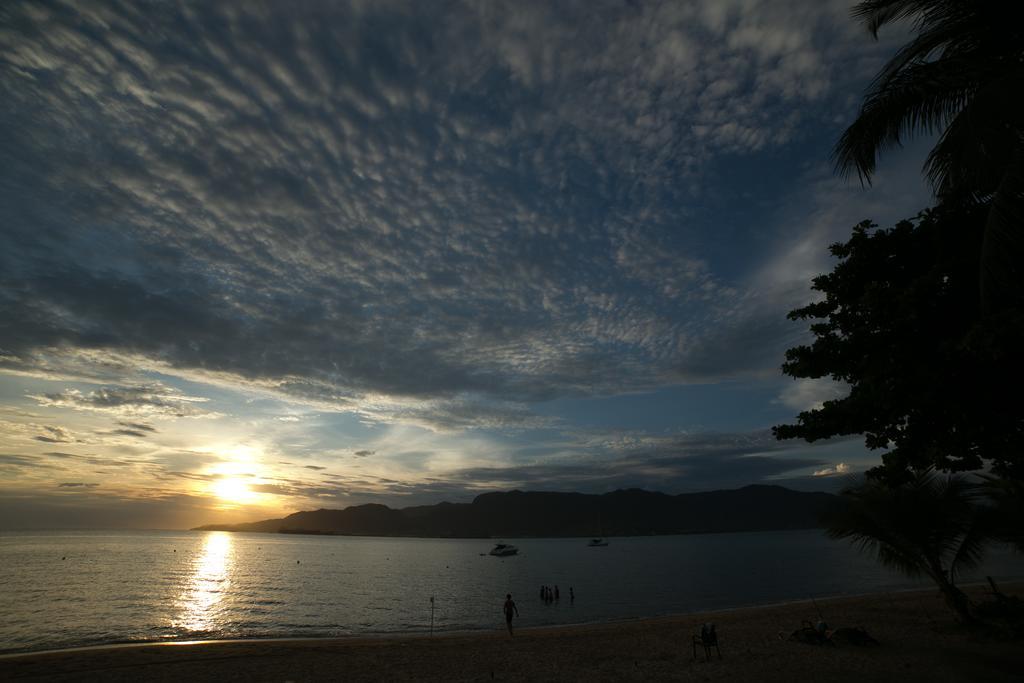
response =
{"points": [[234, 490], [232, 479]]}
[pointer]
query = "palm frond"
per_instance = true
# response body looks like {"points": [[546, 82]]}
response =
{"points": [[967, 160], [865, 520], [925, 44], [922, 526], [875, 14], [977, 146], [923, 97]]}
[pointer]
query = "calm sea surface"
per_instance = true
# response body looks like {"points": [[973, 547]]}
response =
{"points": [[64, 589]]}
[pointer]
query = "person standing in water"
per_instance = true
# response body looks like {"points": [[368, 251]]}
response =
{"points": [[510, 610]]}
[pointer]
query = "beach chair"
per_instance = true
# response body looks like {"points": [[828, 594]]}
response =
{"points": [[707, 639]]}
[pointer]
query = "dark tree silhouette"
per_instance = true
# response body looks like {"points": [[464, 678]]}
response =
{"points": [[931, 382], [926, 526], [961, 76]]}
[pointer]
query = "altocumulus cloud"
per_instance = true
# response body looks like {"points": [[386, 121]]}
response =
{"points": [[364, 206], [150, 400]]}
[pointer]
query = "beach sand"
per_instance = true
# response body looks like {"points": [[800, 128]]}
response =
{"points": [[919, 641]]}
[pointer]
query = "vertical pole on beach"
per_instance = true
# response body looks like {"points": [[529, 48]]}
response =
{"points": [[431, 615]]}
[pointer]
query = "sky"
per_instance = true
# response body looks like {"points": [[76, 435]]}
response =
{"points": [[265, 257]]}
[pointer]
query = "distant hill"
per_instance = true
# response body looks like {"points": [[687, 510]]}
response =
{"points": [[519, 514]]}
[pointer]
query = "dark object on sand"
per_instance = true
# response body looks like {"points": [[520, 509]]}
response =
{"points": [[821, 635], [810, 636], [707, 639], [850, 635], [1002, 607]]}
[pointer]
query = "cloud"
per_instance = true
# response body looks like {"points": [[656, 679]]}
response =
{"points": [[747, 335], [437, 219], [457, 414], [195, 476], [838, 468], [99, 461], [138, 426], [56, 435], [130, 432], [76, 484], [810, 394], [299, 202], [153, 400], [676, 463], [19, 461]]}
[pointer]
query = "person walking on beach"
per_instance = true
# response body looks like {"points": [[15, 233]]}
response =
{"points": [[510, 610]]}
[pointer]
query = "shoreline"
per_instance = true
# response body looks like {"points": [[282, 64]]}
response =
{"points": [[1013, 585], [917, 634]]}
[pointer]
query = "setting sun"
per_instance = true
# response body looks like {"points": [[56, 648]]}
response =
{"points": [[232, 480], [233, 490]]}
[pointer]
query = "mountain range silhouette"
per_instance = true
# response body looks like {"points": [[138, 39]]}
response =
{"points": [[512, 514]]}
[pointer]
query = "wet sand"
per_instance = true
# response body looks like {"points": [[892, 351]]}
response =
{"points": [[919, 641]]}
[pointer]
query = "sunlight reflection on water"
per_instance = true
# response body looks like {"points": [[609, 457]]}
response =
{"points": [[199, 602]]}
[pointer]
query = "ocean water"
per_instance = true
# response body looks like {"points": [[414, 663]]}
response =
{"points": [[68, 589]]}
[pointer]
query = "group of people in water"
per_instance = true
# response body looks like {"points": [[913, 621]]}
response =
{"points": [[549, 595]]}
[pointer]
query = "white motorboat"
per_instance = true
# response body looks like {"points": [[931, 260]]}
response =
{"points": [[597, 543], [504, 550]]}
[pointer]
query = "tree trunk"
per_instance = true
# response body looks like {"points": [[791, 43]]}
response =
{"points": [[957, 601], [1002, 246], [955, 598]]}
